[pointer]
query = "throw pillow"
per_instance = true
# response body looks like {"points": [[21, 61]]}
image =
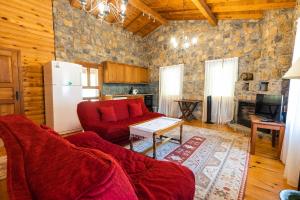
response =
{"points": [[108, 114], [135, 110]]}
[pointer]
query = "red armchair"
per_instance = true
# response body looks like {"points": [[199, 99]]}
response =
{"points": [[151, 179], [114, 131], [43, 165]]}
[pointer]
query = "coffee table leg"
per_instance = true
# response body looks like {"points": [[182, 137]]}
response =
{"points": [[180, 138], [154, 146]]}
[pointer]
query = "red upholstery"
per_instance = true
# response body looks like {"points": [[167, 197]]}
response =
{"points": [[135, 110], [108, 114], [116, 132], [42, 165], [152, 179]]}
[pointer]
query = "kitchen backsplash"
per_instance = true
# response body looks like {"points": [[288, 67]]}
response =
{"points": [[124, 88]]}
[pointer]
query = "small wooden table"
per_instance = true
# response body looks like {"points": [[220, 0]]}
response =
{"points": [[273, 126], [155, 128], [187, 108]]}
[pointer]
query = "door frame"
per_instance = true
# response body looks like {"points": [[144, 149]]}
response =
{"points": [[20, 77]]}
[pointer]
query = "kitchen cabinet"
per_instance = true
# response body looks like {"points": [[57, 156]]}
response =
{"points": [[124, 73]]}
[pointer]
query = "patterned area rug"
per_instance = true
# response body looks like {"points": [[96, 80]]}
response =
{"points": [[218, 159], [2, 167]]}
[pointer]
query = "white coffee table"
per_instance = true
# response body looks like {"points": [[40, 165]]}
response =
{"points": [[154, 128]]}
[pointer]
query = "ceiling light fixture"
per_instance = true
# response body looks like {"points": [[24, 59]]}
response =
{"points": [[183, 41], [108, 11]]}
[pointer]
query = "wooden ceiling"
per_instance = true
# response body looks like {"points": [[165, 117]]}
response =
{"points": [[161, 11]]}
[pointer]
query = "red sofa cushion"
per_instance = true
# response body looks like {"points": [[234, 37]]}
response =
{"points": [[108, 114], [152, 179], [135, 110], [46, 166]]}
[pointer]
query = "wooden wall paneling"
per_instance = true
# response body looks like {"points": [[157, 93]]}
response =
{"points": [[131, 15], [28, 26], [138, 23], [148, 29]]}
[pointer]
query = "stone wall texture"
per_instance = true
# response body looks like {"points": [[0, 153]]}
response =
{"points": [[264, 48], [81, 37]]}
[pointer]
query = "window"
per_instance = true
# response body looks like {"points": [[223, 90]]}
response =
{"points": [[90, 81], [170, 89], [220, 78]]}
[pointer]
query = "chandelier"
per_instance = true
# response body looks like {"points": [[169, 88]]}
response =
{"points": [[108, 11], [183, 41]]}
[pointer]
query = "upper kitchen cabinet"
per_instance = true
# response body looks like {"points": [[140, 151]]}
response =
{"points": [[123, 73]]}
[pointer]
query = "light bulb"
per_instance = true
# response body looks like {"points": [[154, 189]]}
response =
{"points": [[83, 2], [123, 8], [194, 40], [103, 9], [186, 45], [174, 42]]}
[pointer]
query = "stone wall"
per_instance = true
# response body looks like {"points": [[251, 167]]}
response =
{"points": [[81, 37], [264, 48]]}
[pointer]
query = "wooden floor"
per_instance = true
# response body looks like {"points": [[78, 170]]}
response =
{"points": [[265, 176]]}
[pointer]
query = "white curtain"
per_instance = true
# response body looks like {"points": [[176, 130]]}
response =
{"points": [[291, 145], [220, 78], [170, 89]]}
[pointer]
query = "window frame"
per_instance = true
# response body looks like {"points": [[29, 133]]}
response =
{"points": [[90, 66]]}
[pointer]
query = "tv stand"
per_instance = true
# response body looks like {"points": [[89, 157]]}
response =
{"points": [[267, 120]]}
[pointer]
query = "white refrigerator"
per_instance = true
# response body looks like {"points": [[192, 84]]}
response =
{"points": [[63, 91]]}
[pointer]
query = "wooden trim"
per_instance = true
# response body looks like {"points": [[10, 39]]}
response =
{"points": [[20, 76], [206, 11], [147, 10], [88, 64]]}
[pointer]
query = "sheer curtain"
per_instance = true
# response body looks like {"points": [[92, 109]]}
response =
{"points": [[220, 78], [291, 145], [170, 89]]}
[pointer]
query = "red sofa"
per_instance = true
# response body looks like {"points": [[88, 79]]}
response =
{"points": [[43, 165], [118, 131]]}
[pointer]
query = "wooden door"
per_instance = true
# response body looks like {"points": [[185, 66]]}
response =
{"points": [[10, 102]]}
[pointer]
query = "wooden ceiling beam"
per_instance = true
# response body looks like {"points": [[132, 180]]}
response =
{"points": [[138, 4], [224, 16], [252, 7], [205, 11]]}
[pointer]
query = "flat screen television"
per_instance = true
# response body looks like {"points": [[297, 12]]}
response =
{"points": [[269, 106]]}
